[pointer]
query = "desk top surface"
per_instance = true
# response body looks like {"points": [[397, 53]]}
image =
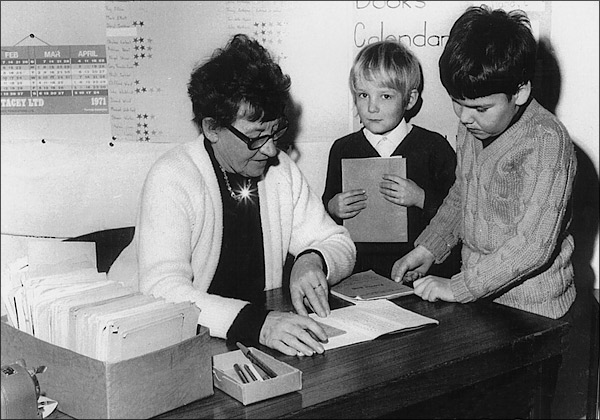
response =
{"points": [[472, 342]]}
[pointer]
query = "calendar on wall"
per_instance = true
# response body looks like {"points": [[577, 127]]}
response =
{"points": [[65, 79]]}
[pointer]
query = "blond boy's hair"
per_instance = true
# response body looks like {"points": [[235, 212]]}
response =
{"points": [[390, 64]]}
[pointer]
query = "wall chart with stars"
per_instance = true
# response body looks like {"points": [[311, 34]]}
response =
{"points": [[150, 58], [128, 52]]}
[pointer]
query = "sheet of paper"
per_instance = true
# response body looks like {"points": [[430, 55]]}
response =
{"points": [[368, 320], [55, 257], [10, 286], [381, 221]]}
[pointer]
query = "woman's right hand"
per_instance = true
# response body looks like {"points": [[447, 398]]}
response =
{"points": [[289, 333], [347, 204]]}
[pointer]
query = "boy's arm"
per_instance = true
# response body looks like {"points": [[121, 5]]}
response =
{"points": [[442, 233], [547, 177]]}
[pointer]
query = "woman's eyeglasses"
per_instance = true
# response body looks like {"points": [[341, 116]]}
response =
{"points": [[258, 142]]}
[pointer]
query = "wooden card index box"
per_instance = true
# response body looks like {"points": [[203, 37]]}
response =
{"points": [[288, 379], [140, 387]]}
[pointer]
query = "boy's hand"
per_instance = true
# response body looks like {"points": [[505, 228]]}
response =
{"points": [[347, 204], [433, 288], [418, 260], [401, 191]]}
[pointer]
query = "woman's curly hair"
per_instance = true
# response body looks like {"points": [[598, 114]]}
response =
{"points": [[241, 74]]}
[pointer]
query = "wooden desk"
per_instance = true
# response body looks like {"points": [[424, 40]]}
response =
{"points": [[482, 360]]}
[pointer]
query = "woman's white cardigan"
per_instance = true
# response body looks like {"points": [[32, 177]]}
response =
{"points": [[179, 231]]}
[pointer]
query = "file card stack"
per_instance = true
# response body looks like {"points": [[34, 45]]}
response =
{"points": [[61, 298], [55, 291]]}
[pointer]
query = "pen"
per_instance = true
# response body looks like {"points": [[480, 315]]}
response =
{"points": [[255, 360], [258, 374], [240, 373], [249, 371]]}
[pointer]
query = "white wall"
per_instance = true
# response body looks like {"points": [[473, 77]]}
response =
{"points": [[575, 38]]}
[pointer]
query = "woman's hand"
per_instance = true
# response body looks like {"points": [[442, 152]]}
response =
{"points": [[347, 204], [308, 285], [402, 191], [289, 333]]}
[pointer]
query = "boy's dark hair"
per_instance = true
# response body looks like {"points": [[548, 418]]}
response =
{"points": [[243, 74], [488, 51]]}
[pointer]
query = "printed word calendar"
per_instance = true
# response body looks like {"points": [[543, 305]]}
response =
{"points": [[65, 79]]}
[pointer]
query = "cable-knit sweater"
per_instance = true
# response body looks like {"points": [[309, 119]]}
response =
{"points": [[509, 206], [179, 229]]}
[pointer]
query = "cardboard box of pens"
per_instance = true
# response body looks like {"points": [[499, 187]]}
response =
{"points": [[251, 381]]}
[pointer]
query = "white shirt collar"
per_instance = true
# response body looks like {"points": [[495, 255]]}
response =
{"points": [[395, 136]]}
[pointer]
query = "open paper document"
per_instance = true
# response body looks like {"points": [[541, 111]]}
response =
{"points": [[368, 320]]}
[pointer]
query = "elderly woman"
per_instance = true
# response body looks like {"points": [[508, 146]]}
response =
{"points": [[219, 215]]}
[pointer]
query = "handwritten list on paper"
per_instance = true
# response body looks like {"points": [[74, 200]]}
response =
{"points": [[265, 21], [119, 50]]}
